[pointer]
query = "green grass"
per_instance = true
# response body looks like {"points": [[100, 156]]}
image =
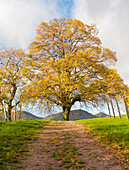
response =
{"points": [[111, 132], [14, 137]]}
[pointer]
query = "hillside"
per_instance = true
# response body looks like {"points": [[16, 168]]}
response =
{"points": [[27, 116], [101, 114], [24, 116], [74, 115]]}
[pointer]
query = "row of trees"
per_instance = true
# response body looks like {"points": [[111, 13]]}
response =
{"points": [[66, 63]]}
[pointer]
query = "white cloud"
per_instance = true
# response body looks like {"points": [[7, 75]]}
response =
{"points": [[111, 18], [19, 19]]}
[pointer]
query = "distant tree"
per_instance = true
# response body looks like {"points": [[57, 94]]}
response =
{"points": [[126, 98], [126, 107], [112, 108], [118, 108], [11, 78], [114, 89], [108, 108], [68, 64]]}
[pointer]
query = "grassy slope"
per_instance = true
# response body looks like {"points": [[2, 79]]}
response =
{"points": [[13, 139], [113, 133]]}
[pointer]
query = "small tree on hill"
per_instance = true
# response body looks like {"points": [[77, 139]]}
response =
{"points": [[68, 64]]}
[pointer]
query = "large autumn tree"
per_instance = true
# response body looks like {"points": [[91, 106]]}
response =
{"points": [[68, 64], [11, 79]]}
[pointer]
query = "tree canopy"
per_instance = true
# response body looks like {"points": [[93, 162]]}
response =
{"points": [[68, 64]]}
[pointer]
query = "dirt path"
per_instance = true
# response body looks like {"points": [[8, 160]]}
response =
{"points": [[64, 145]]}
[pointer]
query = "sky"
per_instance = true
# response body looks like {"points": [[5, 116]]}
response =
{"points": [[20, 18]]}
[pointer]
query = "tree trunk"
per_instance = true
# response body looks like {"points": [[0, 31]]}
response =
{"points": [[126, 108], [109, 109], [112, 108], [66, 112], [10, 102], [4, 109], [118, 108], [15, 112], [20, 111], [9, 112]]}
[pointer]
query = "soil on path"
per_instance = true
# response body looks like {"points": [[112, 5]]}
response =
{"points": [[42, 152]]}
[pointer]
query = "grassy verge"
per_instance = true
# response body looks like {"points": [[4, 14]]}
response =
{"points": [[113, 133], [14, 137]]}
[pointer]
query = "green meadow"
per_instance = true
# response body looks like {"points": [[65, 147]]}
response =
{"points": [[14, 137], [111, 133]]}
